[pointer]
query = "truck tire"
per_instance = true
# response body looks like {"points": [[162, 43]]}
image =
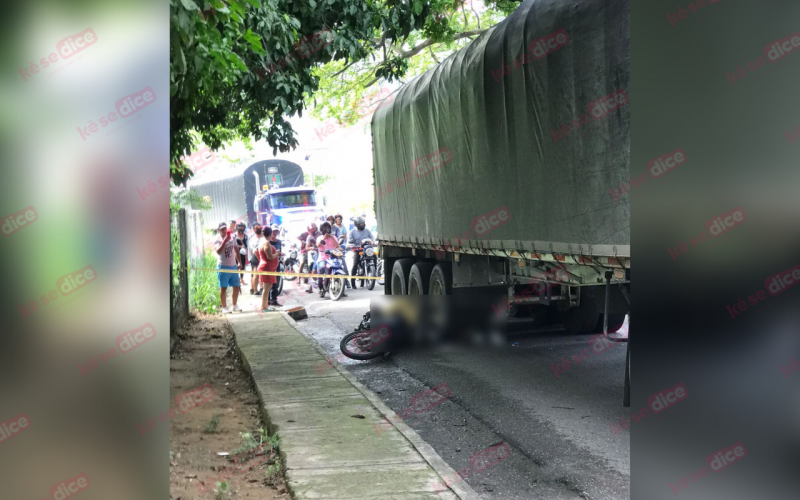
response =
{"points": [[615, 322], [400, 272], [419, 278], [582, 319], [441, 282]]}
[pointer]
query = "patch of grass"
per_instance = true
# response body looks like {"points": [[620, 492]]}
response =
{"points": [[257, 439], [222, 490], [271, 444], [211, 428], [204, 286]]}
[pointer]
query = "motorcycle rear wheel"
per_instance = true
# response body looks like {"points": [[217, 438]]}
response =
{"points": [[350, 346]]}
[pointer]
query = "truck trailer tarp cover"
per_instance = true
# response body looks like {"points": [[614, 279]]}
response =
{"points": [[547, 140]]}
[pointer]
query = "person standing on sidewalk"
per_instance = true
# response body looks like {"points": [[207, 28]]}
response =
{"points": [[226, 259], [241, 244], [269, 260], [276, 244], [255, 241]]}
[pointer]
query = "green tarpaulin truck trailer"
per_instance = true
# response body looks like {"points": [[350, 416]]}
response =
{"points": [[500, 170]]}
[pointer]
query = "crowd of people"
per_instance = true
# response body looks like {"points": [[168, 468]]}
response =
{"points": [[330, 236], [235, 248], [260, 247]]}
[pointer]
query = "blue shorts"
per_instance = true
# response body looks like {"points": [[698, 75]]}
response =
{"points": [[228, 279]]}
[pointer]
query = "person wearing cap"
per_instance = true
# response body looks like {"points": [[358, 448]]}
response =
{"points": [[226, 260]]}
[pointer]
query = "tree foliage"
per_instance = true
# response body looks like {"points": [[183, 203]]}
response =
{"points": [[347, 89], [238, 68]]}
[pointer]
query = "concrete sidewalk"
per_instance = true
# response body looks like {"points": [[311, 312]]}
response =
{"points": [[329, 453]]}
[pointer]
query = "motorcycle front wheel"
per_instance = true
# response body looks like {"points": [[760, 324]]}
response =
{"points": [[362, 271], [353, 346], [337, 288], [293, 266], [381, 281], [371, 272]]}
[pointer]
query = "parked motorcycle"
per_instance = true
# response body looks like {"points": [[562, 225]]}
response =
{"points": [[291, 263], [333, 266], [368, 262]]}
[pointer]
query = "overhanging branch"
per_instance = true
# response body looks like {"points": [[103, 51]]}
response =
{"points": [[427, 43]]}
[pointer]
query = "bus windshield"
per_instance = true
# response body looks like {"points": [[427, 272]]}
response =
{"points": [[292, 200]]}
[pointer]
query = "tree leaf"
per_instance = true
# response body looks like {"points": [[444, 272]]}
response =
{"points": [[235, 59], [255, 42], [180, 60], [189, 5]]}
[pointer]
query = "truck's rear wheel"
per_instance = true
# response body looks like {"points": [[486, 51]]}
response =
{"points": [[441, 282], [400, 273], [582, 319], [419, 278], [615, 322]]}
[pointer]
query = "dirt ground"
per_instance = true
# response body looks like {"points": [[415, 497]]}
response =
{"points": [[205, 354]]}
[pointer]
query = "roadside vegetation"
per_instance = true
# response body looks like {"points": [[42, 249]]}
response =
{"points": [[203, 286]]}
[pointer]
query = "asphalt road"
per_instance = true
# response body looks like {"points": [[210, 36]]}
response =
{"points": [[557, 422]]}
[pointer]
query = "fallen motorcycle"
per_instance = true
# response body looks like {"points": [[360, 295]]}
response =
{"points": [[362, 343]]}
